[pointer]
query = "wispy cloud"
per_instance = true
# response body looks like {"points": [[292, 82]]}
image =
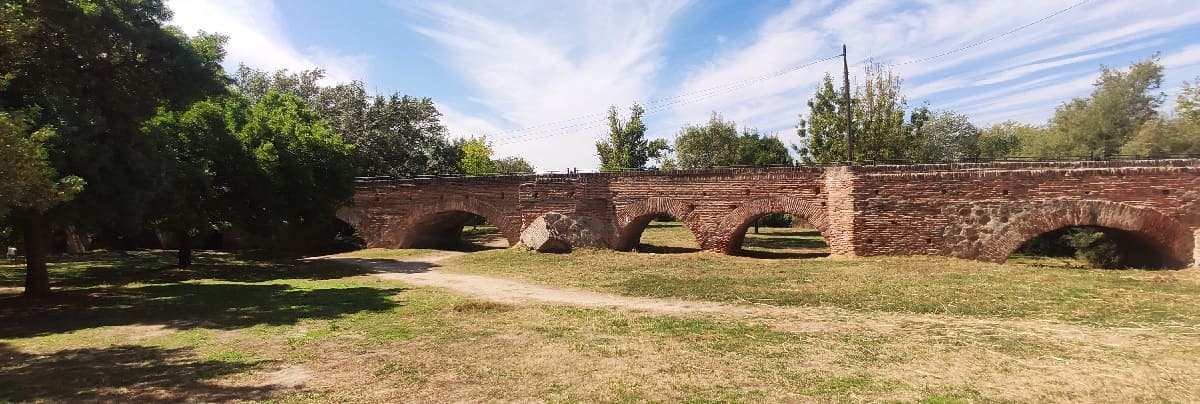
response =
{"points": [[567, 60], [257, 38]]}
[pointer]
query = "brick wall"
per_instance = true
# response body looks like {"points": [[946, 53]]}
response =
{"points": [[975, 211]]}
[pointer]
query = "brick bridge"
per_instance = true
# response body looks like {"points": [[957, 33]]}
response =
{"points": [[979, 211]]}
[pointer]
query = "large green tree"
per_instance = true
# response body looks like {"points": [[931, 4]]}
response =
{"points": [[877, 109], [755, 149], [1101, 123], [708, 145], [94, 71], [395, 134], [1003, 139], [823, 133], [626, 146], [718, 143], [210, 181], [947, 135], [476, 156]]}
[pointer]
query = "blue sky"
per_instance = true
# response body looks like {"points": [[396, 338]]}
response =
{"points": [[537, 76]]}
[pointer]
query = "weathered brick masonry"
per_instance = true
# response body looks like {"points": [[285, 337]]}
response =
{"points": [[976, 211]]}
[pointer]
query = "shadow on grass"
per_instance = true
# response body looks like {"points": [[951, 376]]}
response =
{"points": [[659, 249], [780, 254], [794, 239], [126, 373], [186, 305], [90, 294], [386, 265]]}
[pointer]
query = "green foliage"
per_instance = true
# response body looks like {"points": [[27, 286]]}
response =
{"points": [[719, 144], [755, 149], [94, 72], [626, 145], [823, 134], [1003, 139], [476, 156], [878, 110], [880, 132], [945, 135], [394, 135], [513, 165], [307, 168], [1094, 246], [29, 182], [1102, 123], [713, 144], [1187, 103], [210, 180]]}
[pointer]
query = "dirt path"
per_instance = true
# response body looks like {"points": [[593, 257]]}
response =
{"points": [[421, 271]]}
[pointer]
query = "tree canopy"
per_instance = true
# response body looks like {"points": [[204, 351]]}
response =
{"points": [[718, 143], [626, 146]]}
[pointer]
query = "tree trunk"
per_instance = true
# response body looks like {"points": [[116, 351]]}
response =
{"points": [[756, 225], [184, 239], [37, 245]]}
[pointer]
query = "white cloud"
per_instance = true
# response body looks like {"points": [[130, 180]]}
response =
{"points": [[568, 59], [1185, 57], [257, 38]]}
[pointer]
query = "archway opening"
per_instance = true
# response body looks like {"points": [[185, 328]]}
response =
{"points": [[661, 234], [455, 230], [1095, 247], [779, 235]]}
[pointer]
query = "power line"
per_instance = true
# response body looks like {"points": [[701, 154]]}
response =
{"points": [[673, 100], [678, 101], [1004, 34]]}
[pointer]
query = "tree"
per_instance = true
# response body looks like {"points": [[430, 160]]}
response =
{"points": [[713, 144], [210, 180], [1002, 140], [395, 135], [823, 134], [94, 71], [755, 149], [877, 108], [513, 165], [476, 156], [308, 169], [947, 135], [29, 180], [1187, 103], [626, 146], [269, 166], [1100, 124]]}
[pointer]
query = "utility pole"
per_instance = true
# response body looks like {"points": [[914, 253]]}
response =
{"points": [[846, 106]]}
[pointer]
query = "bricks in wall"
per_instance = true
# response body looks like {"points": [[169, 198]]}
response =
{"points": [[974, 211]]}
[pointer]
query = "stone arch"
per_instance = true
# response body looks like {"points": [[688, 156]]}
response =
{"points": [[444, 220], [1024, 223], [633, 219], [731, 231]]}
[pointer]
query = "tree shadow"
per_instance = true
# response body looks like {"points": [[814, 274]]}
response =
{"points": [[156, 267], [126, 373], [660, 249], [186, 305], [781, 254], [796, 239], [386, 265]]}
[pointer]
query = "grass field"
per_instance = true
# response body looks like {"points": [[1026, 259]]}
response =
{"points": [[128, 327]]}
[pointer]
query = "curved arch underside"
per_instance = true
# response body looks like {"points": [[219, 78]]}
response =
{"points": [[1146, 226], [440, 225], [731, 231], [633, 219]]}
